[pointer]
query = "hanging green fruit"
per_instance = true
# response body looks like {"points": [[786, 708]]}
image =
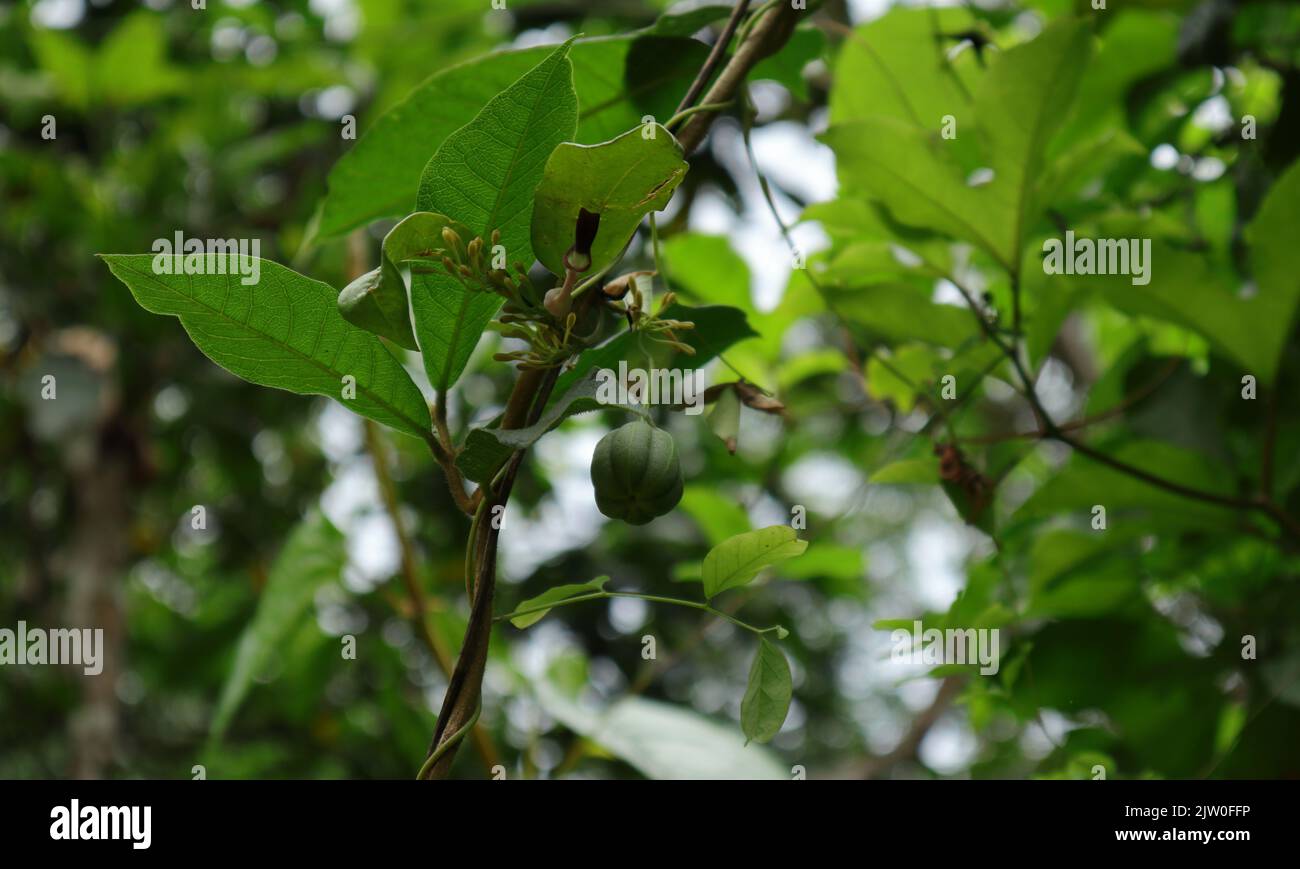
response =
{"points": [[636, 473]]}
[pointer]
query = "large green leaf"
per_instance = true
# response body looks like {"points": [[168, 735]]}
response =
{"points": [[916, 174], [284, 331], [708, 270], [663, 741], [736, 561], [1020, 105], [377, 177], [1187, 288], [1275, 260], [313, 556], [1084, 483], [898, 312], [484, 176], [898, 66], [767, 697], [621, 180]]}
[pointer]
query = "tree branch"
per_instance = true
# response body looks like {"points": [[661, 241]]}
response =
{"points": [[715, 57]]}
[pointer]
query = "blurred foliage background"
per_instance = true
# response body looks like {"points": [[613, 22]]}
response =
{"points": [[225, 122]]}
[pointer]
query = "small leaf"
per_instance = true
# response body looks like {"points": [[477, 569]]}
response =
{"points": [[736, 561], [284, 331], [313, 556], [620, 181], [553, 596], [767, 699], [377, 301]]}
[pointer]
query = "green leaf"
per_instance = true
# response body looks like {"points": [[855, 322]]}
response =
{"points": [[906, 472], [1084, 483], [707, 269], [1275, 261], [899, 312], [553, 596], [1021, 104], [1187, 288], [664, 742], [377, 301], [736, 561], [285, 331], [130, 67], [897, 66], [313, 556], [621, 180], [767, 699], [717, 327], [377, 176], [487, 449], [786, 66], [484, 176], [689, 22], [912, 170], [718, 516]]}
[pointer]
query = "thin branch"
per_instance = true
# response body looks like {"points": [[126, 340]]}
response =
{"points": [[768, 35], [411, 579], [1270, 444], [715, 57], [921, 725], [651, 598]]}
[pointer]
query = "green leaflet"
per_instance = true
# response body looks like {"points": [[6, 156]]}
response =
{"points": [[484, 176], [377, 301], [767, 697], [285, 331], [737, 560], [553, 596], [375, 178], [313, 556], [621, 180]]}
